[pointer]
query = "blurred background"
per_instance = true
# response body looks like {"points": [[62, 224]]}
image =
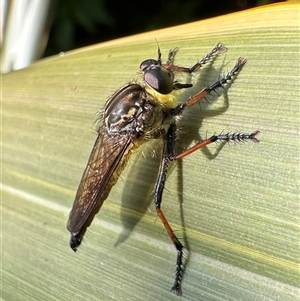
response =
{"points": [[32, 29], [81, 23]]}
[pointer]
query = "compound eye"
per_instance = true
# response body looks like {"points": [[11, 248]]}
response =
{"points": [[160, 80], [147, 63]]}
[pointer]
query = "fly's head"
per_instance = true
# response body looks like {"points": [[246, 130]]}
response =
{"points": [[157, 76]]}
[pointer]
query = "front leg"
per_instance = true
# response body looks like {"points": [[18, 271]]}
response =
{"points": [[219, 48], [221, 83]]}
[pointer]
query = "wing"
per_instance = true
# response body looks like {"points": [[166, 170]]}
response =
{"points": [[99, 176]]}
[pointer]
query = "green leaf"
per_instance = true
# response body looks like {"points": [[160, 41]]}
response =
{"points": [[239, 215]]}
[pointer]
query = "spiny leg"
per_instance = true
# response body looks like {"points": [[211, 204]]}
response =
{"points": [[206, 91], [237, 137], [169, 155], [169, 65], [171, 56], [219, 48], [158, 191], [229, 137]]}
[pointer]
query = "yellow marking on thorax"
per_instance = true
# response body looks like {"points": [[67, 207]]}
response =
{"points": [[167, 101]]}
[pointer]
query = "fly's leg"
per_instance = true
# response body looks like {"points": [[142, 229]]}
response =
{"points": [[198, 97], [208, 90], [169, 65], [171, 56], [158, 191], [219, 48], [234, 137], [205, 92], [169, 155]]}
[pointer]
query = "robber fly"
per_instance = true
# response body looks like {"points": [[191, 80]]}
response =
{"points": [[135, 113]]}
